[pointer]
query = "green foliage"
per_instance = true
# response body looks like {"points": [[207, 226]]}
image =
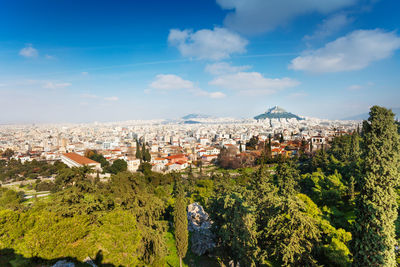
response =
{"points": [[118, 165], [101, 159], [145, 153], [291, 233], [46, 186], [10, 199], [138, 152], [181, 224], [118, 238], [325, 190], [145, 168], [48, 235], [14, 170], [268, 215], [8, 153], [287, 177], [131, 193], [234, 225], [374, 233], [203, 190], [252, 143]]}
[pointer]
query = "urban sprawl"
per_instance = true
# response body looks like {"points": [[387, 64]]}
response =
{"points": [[172, 145]]}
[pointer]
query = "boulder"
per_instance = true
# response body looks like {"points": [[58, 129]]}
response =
{"points": [[199, 224]]}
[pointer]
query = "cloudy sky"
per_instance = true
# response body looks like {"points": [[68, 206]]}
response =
{"points": [[80, 61]]}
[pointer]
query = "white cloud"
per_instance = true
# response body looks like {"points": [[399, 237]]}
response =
{"points": [[89, 96], [354, 87], [85, 73], [298, 95], [50, 57], [168, 82], [330, 26], [201, 92], [258, 16], [253, 83], [111, 98], [217, 95], [28, 51], [221, 68], [351, 52], [357, 87], [215, 44], [53, 85]]}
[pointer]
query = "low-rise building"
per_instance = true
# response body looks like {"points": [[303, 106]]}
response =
{"points": [[76, 160]]}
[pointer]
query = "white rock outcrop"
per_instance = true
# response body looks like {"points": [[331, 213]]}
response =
{"points": [[199, 224]]}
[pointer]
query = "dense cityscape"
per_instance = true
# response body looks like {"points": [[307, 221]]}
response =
{"points": [[173, 146], [212, 133]]}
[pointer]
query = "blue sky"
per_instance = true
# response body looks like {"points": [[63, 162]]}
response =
{"points": [[81, 61]]}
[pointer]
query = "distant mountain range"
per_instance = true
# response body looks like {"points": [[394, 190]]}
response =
{"points": [[196, 116], [277, 113], [365, 116]]}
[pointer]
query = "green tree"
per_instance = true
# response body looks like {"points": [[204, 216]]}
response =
{"points": [[252, 144], [235, 228], [181, 224], [146, 155], [376, 212], [265, 198], [8, 153], [138, 152], [118, 165], [291, 233], [287, 177], [143, 152], [355, 150], [10, 199]]}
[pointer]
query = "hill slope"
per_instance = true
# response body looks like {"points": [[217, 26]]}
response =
{"points": [[277, 113]]}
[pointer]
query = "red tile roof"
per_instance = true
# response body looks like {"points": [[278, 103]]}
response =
{"points": [[79, 159], [178, 156]]}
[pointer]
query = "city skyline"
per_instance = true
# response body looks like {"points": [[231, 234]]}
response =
{"points": [[68, 61]]}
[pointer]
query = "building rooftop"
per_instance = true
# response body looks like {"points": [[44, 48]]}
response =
{"points": [[79, 159]]}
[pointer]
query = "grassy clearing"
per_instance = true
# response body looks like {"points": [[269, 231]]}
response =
{"points": [[191, 260], [172, 259]]}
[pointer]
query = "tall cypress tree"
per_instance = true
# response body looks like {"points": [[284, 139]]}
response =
{"points": [[138, 153], [143, 152], [181, 224], [374, 231], [355, 151]]}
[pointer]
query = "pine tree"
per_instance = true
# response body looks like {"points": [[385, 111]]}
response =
{"points": [[355, 151], [138, 153], [181, 224], [234, 225], [351, 188], [287, 177], [291, 234], [146, 155], [143, 152], [374, 231]]}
